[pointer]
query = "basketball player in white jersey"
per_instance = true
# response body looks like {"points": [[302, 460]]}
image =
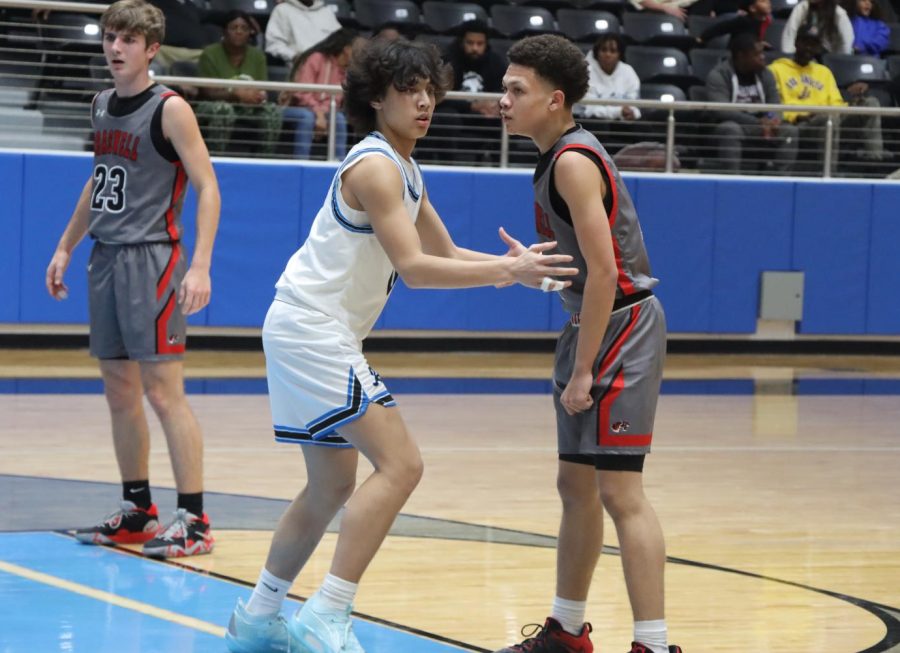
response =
{"points": [[609, 357], [375, 225], [146, 147]]}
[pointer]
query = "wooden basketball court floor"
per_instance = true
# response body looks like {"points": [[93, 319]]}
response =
{"points": [[777, 482]]}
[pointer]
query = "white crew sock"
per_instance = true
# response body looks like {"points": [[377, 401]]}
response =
{"points": [[569, 614], [652, 634], [268, 595], [337, 593]]}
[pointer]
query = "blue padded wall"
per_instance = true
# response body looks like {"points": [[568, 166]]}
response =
{"points": [[11, 170], [708, 238]]}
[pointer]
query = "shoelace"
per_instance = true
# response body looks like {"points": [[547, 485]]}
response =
{"points": [[177, 528], [532, 633], [124, 510]]}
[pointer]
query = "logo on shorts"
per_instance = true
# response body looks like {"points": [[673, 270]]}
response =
{"points": [[173, 339], [620, 427], [375, 375]]}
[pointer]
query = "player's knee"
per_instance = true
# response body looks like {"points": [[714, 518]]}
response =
{"points": [[407, 471], [122, 396], [163, 399], [621, 502], [574, 492]]}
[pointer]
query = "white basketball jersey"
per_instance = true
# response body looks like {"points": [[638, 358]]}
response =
{"points": [[341, 270]]}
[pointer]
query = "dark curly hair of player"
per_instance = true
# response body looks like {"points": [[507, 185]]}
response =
{"points": [[556, 60], [379, 64]]}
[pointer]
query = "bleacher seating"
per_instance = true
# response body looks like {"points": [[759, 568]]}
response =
{"points": [[517, 21], [444, 17], [373, 13], [586, 24]]}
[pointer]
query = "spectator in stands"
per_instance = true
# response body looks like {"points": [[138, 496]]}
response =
{"points": [[234, 58], [677, 8], [871, 35], [391, 32], [803, 81], [610, 78], [324, 63], [189, 29], [754, 19], [744, 79], [822, 17], [297, 25], [470, 124]]}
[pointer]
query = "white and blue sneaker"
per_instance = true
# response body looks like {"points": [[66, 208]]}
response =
{"points": [[318, 628], [249, 633]]}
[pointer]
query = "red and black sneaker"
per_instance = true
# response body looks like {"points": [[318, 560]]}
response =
{"points": [[128, 525], [187, 535], [552, 638], [640, 648]]}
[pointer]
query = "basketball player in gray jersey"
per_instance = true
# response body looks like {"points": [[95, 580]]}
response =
{"points": [[146, 147], [609, 356]]}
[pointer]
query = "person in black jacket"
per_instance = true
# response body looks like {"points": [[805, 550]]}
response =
{"points": [[471, 127], [755, 18], [744, 79]]}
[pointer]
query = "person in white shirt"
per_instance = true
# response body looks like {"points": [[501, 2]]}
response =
{"points": [[610, 78], [823, 17], [297, 25]]}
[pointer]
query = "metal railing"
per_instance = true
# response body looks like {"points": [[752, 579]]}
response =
{"points": [[60, 77]]}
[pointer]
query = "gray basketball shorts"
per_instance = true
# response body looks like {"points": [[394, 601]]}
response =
{"points": [[627, 375], [133, 298]]}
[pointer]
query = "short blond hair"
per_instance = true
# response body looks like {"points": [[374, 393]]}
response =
{"points": [[136, 17]]}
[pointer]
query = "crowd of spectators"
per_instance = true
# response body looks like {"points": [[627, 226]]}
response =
{"points": [[780, 59]]}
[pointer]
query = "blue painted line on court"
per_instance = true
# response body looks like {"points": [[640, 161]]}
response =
{"points": [[41, 617], [408, 386]]}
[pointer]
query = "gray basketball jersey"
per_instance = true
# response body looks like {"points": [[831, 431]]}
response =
{"points": [[139, 182], [554, 223]]}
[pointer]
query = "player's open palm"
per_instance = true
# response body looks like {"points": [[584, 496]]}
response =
{"points": [[532, 267], [55, 273], [195, 291]]}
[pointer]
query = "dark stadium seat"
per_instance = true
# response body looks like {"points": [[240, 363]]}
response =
{"points": [[515, 21], [664, 92], [372, 13], [443, 17], [661, 65], [656, 29], [704, 60], [849, 68], [586, 24]]}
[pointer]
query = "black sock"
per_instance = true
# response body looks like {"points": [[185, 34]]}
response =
{"points": [[193, 503], [138, 492]]}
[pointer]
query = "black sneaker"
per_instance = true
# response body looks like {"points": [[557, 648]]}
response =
{"points": [[640, 648], [187, 535], [552, 638], [128, 525]]}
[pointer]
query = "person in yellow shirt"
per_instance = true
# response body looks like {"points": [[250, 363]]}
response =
{"points": [[801, 80]]}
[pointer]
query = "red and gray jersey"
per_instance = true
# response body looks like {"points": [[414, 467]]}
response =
{"points": [[553, 221], [139, 181]]}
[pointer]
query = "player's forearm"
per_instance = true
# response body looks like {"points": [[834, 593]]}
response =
{"points": [[426, 271], [464, 254], [78, 223], [208, 203], [596, 306]]}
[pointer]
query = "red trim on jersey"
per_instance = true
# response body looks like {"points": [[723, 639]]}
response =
{"points": [[163, 282], [616, 347], [623, 281], [177, 193], [163, 346], [604, 437], [169, 94]]}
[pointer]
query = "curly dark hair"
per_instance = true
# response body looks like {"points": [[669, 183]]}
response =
{"points": [[379, 64], [555, 59]]}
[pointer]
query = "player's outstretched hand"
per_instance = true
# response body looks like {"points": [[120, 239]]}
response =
{"points": [[194, 292], [534, 269], [55, 272], [515, 247]]}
